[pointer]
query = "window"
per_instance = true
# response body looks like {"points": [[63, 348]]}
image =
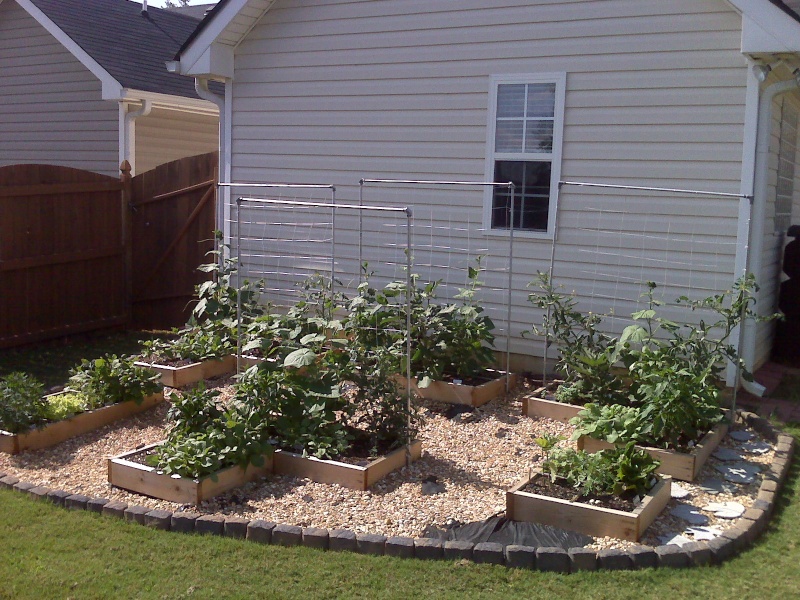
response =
{"points": [[526, 115]]}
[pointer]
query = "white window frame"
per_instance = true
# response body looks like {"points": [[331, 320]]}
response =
{"points": [[560, 79]]}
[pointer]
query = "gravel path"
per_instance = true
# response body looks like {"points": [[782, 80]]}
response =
{"points": [[475, 457]]}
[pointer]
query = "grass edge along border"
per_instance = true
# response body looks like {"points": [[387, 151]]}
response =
{"points": [[716, 551]]}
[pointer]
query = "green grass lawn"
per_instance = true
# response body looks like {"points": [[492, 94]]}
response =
{"points": [[50, 362], [47, 552]]}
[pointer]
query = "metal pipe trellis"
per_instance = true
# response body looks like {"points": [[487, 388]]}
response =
{"points": [[423, 182], [334, 207], [611, 186]]}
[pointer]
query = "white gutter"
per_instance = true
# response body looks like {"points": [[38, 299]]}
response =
{"points": [[201, 87], [129, 133], [758, 211]]}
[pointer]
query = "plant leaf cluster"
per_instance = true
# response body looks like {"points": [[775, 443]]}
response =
{"points": [[21, 404], [624, 471], [206, 437], [112, 379], [659, 382]]}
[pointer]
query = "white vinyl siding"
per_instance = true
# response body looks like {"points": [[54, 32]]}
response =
{"points": [[167, 135], [51, 110], [333, 91]]}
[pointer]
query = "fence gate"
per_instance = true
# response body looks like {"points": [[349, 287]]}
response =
{"points": [[172, 225], [62, 258]]}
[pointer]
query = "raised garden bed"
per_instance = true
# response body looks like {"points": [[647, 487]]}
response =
{"points": [[143, 479], [680, 465], [461, 393], [533, 406], [187, 374], [354, 477], [587, 518], [55, 433]]}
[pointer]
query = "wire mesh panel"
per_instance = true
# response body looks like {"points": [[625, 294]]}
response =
{"points": [[450, 243], [613, 240]]}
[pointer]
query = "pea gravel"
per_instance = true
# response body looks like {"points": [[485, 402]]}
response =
{"points": [[473, 457]]}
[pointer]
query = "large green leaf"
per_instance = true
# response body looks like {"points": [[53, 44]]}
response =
{"points": [[300, 358]]}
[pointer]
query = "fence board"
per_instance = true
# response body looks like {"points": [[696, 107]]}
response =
{"points": [[172, 229], [61, 259]]}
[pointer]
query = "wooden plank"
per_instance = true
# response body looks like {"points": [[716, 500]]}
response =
{"points": [[188, 374], [684, 466], [354, 477], [549, 409], [396, 460], [146, 480], [457, 393], [32, 262], [57, 189], [55, 433], [587, 518], [180, 192]]}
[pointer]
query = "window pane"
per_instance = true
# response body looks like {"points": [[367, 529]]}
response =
{"points": [[541, 100], [537, 178], [539, 136], [531, 196], [511, 100], [508, 136]]}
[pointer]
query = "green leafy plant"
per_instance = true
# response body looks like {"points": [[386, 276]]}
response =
{"points": [[112, 379], [624, 471], [206, 437], [303, 399], [674, 372], [21, 404], [586, 353], [217, 298], [65, 405], [198, 343]]}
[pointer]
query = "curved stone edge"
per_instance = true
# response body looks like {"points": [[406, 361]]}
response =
{"points": [[751, 525]]}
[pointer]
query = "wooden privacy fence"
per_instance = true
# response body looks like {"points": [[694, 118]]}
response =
{"points": [[80, 251]]}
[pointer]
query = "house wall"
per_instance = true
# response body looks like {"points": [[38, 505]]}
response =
{"points": [[333, 91], [167, 135], [50, 105]]}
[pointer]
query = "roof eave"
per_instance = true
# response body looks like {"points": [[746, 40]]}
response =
{"points": [[204, 54], [766, 29]]}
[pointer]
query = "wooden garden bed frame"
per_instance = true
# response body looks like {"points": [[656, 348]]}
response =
{"points": [[148, 481], [587, 518], [459, 393], [55, 433], [350, 476], [549, 409], [680, 465], [177, 377]]}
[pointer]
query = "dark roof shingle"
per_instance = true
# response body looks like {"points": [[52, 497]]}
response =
{"points": [[131, 46]]}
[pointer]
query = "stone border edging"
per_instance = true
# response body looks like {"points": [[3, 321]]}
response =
{"points": [[750, 526]]}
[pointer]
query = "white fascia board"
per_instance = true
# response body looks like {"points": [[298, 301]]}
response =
{"points": [[215, 62], [170, 102], [191, 55], [112, 89], [766, 28]]}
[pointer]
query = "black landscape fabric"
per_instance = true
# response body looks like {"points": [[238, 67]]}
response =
{"points": [[503, 531]]}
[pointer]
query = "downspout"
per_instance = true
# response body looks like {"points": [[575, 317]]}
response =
{"points": [[130, 117], [201, 87], [758, 211]]}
